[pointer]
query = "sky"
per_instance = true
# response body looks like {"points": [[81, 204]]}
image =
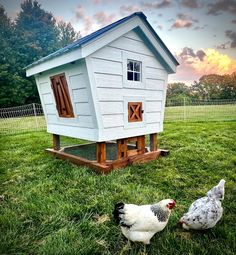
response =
{"points": [[200, 34]]}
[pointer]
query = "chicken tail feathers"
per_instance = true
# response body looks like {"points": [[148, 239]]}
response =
{"points": [[117, 211], [218, 191]]}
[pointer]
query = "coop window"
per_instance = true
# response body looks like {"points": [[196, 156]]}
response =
{"points": [[135, 111], [62, 97], [133, 70]]}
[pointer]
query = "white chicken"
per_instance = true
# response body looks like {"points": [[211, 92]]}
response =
{"points": [[140, 223], [205, 212]]}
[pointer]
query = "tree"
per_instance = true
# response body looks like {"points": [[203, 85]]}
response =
{"points": [[36, 31], [33, 35], [215, 86], [229, 89], [11, 88], [66, 33], [10, 81], [178, 91]]}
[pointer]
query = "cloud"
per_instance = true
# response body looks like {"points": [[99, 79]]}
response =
{"points": [[79, 12], [128, 9], [179, 23], [198, 27], [233, 21], [193, 4], [87, 21], [231, 35], [96, 1], [103, 18], [201, 54], [194, 64], [222, 5], [183, 21], [158, 4], [223, 46], [59, 19]]}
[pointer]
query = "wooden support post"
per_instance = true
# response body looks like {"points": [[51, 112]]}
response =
{"points": [[101, 152], [153, 142], [141, 144], [121, 148], [56, 142]]}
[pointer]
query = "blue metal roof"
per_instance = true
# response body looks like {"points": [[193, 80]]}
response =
{"points": [[78, 43]]}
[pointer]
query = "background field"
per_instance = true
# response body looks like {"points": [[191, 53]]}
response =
{"points": [[30, 117], [53, 207], [201, 112]]}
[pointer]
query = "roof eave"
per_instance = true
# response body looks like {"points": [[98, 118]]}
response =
{"points": [[68, 57]]}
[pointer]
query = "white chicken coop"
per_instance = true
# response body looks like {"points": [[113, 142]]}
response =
{"points": [[107, 86]]}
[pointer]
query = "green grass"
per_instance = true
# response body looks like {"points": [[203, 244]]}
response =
{"points": [[54, 207], [21, 124], [201, 112], [225, 112]]}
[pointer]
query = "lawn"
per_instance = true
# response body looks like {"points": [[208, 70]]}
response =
{"points": [[201, 112], [53, 207]]}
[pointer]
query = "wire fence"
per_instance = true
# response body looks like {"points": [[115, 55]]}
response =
{"points": [[30, 117], [21, 119], [200, 110]]}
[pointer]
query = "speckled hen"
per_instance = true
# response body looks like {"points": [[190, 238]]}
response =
{"points": [[205, 212]]}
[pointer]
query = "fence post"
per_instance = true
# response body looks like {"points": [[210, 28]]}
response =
{"points": [[35, 115], [184, 109]]}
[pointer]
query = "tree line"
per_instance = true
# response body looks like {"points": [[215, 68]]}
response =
{"points": [[209, 87], [33, 34]]}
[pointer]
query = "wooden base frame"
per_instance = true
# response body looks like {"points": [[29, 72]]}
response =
{"points": [[126, 154]]}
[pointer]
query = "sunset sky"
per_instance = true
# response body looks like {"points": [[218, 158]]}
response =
{"points": [[201, 34]]}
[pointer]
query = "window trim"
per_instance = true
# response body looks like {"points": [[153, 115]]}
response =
{"points": [[130, 83]]}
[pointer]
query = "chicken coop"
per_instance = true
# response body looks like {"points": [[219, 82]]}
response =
{"points": [[109, 88]]}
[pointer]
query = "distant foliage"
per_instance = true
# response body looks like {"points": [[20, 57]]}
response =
{"points": [[208, 87], [32, 35], [215, 86], [67, 34], [177, 91]]}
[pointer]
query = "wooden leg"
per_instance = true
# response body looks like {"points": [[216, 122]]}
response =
{"points": [[101, 152], [141, 144], [153, 142], [56, 142], [121, 148]]}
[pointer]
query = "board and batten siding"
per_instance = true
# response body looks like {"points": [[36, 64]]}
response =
{"points": [[108, 69], [84, 121]]}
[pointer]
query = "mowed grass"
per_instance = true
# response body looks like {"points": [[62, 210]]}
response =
{"points": [[201, 112], [188, 113], [21, 124], [54, 207]]}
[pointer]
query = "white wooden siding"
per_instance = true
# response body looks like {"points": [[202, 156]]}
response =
{"points": [[153, 106], [155, 84], [47, 98], [73, 131], [79, 90], [114, 120], [107, 67], [108, 80], [111, 107], [116, 95], [80, 95]]}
